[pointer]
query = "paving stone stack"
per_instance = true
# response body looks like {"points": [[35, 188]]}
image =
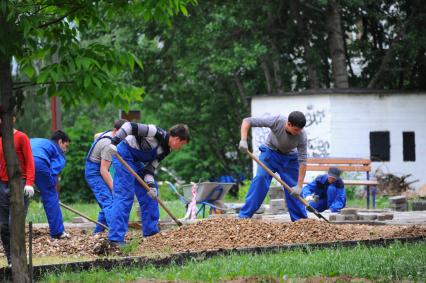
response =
{"points": [[346, 214], [398, 203], [354, 215], [79, 220], [276, 192], [277, 204], [419, 204]]}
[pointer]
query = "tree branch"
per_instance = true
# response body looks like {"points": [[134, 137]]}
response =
{"points": [[375, 81], [55, 21]]}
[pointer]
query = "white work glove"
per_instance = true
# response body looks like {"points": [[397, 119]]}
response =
{"points": [[152, 191], [112, 148], [243, 146], [28, 191], [296, 190], [309, 198]]}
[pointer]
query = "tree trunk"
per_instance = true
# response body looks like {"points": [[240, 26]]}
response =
{"points": [[276, 67], [17, 228], [267, 75], [241, 91], [389, 56], [305, 35], [336, 45]]}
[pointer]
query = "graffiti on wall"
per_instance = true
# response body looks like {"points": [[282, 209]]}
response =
{"points": [[318, 147], [314, 117], [318, 144]]}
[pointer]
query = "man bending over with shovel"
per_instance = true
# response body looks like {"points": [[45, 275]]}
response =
{"points": [[50, 160], [97, 174], [285, 152], [142, 147]]}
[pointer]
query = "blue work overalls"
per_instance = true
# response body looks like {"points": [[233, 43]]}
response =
{"points": [[49, 161], [125, 186], [100, 189], [330, 196], [287, 166]]}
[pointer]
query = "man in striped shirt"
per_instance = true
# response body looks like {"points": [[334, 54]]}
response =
{"points": [[142, 147]]}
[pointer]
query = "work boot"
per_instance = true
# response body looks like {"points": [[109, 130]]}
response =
{"points": [[116, 244]]}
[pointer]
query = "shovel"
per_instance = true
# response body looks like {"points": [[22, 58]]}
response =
{"points": [[147, 188], [79, 213], [305, 203]]}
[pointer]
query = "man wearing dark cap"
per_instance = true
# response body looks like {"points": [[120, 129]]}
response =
{"points": [[326, 191]]}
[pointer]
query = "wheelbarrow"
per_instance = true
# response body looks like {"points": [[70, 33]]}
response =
{"points": [[208, 194]]}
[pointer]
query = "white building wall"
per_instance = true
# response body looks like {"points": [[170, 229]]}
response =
{"points": [[355, 116], [339, 125]]}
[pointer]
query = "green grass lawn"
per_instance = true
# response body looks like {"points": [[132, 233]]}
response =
{"points": [[384, 264]]}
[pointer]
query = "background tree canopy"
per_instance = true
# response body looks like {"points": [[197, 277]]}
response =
{"points": [[202, 69]]}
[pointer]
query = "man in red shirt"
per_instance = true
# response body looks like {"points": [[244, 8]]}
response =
{"points": [[26, 160]]}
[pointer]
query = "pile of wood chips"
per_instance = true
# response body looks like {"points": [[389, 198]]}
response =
{"points": [[227, 233], [218, 233]]}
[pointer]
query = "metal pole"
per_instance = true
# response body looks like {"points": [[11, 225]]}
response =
{"points": [[30, 252]]}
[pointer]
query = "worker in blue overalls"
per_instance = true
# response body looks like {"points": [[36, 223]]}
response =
{"points": [[142, 147], [285, 152], [326, 192], [97, 175], [49, 160]]}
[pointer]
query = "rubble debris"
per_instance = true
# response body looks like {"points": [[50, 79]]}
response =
{"points": [[392, 185]]}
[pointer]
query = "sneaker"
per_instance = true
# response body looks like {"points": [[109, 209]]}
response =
{"points": [[64, 235]]}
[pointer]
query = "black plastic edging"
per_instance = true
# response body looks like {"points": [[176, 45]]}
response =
{"points": [[181, 258]]}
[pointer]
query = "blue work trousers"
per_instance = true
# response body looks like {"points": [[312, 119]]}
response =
{"points": [[125, 186], [46, 183], [5, 216], [101, 192], [287, 166], [328, 201]]}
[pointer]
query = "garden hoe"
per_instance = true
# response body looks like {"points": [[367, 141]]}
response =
{"points": [[79, 213], [305, 203], [147, 188]]}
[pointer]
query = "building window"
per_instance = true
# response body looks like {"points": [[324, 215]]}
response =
{"points": [[409, 146], [379, 146]]}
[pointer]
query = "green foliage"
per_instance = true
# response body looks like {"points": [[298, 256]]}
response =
{"points": [[35, 120], [45, 38], [393, 263], [73, 185]]}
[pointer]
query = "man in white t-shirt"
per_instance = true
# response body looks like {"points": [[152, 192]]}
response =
{"points": [[97, 173]]}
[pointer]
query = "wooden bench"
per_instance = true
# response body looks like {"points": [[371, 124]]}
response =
{"points": [[347, 165]]}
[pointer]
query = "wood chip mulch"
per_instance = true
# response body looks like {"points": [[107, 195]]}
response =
{"points": [[218, 233]]}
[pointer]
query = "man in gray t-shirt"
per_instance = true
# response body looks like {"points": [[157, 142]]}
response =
{"points": [[285, 152], [97, 174]]}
